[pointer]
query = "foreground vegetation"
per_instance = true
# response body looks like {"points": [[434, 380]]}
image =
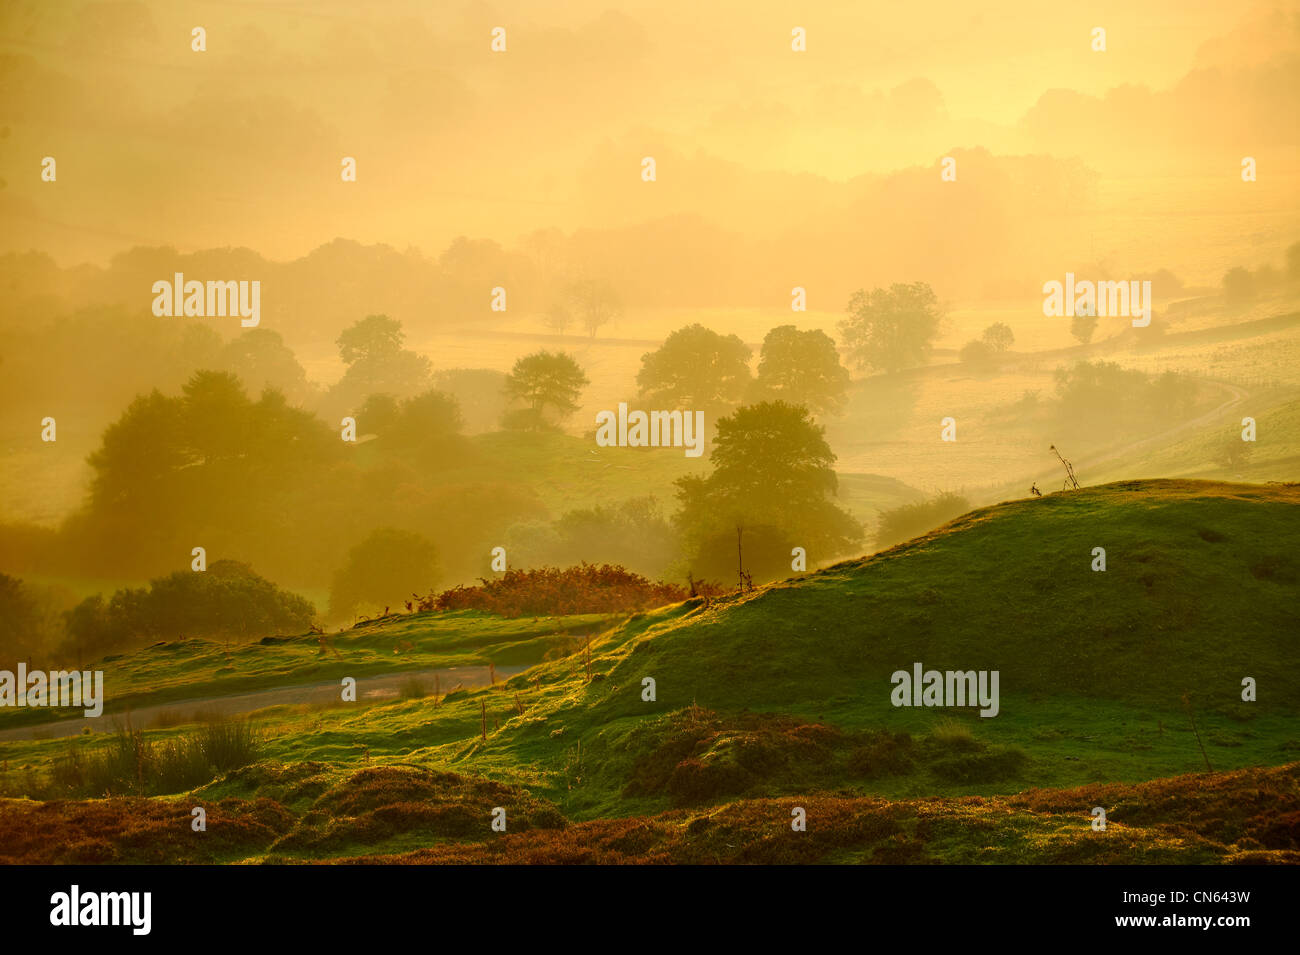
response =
{"points": [[405, 814], [1115, 687]]}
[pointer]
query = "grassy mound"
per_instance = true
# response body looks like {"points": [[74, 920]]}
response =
{"points": [[410, 804], [690, 732], [1200, 590], [137, 830]]}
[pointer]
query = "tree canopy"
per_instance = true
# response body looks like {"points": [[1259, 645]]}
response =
{"points": [[383, 570], [696, 368], [891, 329], [772, 468], [545, 380], [376, 360], [802, 368], [228, 600]]}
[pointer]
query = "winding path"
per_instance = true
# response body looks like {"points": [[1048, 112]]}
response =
{"points": [[370, 689]]}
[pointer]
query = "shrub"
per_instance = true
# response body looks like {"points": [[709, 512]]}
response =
{"points": [[228, 744], [550, 591], [132, 763], [976, 352], [912, 520], [991, 765], [882, 754], [229, 600], [383, 570], [952, 735]]}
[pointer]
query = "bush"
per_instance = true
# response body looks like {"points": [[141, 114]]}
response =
{"points": [[976, 352], [1239, 286], [1099, 398], [550, 591], [999, 337], [383, 570], [133, 763], [228, 600], [882, 754], [912, 520], [954, 736], [991, 765], [957, 756], [227, 744]]}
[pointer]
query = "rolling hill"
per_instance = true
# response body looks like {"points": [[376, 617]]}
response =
{"points": [[1107, 679]]}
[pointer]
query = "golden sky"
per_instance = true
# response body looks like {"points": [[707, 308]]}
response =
{"points": [[241, 145]]}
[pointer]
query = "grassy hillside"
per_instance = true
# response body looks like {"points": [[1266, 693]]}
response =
{"points": [[784, 694], [1200, 590]]}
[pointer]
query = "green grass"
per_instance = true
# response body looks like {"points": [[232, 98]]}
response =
{"points": [[785, 691], [1104, 658], [192, 668]]}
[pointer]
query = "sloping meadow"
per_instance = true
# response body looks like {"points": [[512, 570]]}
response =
{"points": [[691, 732]]}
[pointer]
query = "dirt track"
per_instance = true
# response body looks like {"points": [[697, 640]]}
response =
{"points": [[370, 689]]}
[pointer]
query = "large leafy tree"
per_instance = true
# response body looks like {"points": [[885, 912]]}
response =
{"points": [[891, 329], [696, 368], [772, 476], [546, 380], [210, 466], [373, 338], [373, 351], [426, 431], [260, 359], [802, 368]]}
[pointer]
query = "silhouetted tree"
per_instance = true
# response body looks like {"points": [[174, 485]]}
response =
{"points": [[546, 380], [1082, 327], [802, 368], [384, 570], [377, 414], [890, 329], [596, 302], [772, 468], [372, 350], [558, 318], [998, 336], [696, 368], [260, 359], [209, 462]]}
